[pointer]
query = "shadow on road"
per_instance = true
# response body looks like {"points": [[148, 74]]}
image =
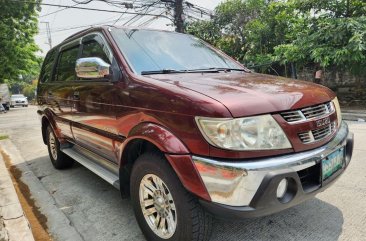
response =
{"points": [[96, 209]]}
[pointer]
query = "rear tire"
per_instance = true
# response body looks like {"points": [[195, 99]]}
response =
{"points": [[157, 192], [59, 159]]}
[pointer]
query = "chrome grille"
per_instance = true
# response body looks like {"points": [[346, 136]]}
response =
{"points": [[318, 134], [308, 113], [292, 116]]}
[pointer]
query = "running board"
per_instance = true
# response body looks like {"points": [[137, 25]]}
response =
{"points": [[107, 175]]}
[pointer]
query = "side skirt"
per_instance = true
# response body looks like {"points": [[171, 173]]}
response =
{"points": [[99, 165]]}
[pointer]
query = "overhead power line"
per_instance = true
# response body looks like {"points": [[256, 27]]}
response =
{"points": [[91, 9], [65, 8], [177, 11]]}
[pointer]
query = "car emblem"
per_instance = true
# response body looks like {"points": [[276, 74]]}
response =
{"points": [[322, 122]]}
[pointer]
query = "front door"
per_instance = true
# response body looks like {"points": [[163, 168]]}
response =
{"points": [[94, 120]]}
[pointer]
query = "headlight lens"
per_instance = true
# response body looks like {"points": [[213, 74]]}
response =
{"points": [[242, 134], [338, 110]]}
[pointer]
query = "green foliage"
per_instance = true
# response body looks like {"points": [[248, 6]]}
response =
{"points": [[18, 25], [322, 33], [333, 33]]}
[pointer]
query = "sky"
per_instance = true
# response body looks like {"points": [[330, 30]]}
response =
{"points": [[76, 20]]}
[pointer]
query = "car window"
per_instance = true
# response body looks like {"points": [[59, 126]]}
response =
{"points": [[47, 67], [66, 64], [94, 49], [148, 50]]}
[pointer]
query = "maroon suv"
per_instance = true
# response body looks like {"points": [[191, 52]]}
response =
{"points": [[185, 130]]}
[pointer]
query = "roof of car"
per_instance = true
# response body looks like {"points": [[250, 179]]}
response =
{"points": [[101, 27], [106, 27]]}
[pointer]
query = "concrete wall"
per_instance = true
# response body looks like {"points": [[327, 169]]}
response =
{"points": [[351, 90]]}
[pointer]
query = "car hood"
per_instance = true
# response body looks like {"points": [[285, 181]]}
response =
{"points": [[246, 94]]}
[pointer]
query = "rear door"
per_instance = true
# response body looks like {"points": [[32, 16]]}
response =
{"points": [[94, 121], [60, 90]]}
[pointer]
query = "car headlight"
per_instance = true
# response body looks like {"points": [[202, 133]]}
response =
{"points": [[338, 110], [242, 134]]}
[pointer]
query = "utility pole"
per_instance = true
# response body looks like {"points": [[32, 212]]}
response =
{"points": [[178, 16], [48, 30]]}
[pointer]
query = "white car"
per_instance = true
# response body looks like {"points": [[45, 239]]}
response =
{"points": [[18, 100]]}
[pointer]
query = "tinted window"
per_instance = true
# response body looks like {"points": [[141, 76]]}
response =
{"points": [[148, 50], [47, 67], [94, 49], [66, 64]]}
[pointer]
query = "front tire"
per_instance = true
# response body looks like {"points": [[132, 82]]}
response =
{"points": [[164, 209], [58, 158]]}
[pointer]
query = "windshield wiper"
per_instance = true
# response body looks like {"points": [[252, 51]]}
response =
{"points": [[218, 69], [162, 71], [207, 70]]}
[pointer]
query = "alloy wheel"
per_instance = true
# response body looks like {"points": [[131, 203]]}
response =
{"points": [[158, 206]]}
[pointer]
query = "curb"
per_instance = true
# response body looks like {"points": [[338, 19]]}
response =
{"points": [[59, 226], [14, 225]]}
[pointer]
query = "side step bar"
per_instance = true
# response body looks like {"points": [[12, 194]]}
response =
{"points": [[107, 175]]}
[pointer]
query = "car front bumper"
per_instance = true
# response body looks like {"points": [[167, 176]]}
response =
{"points": [[248, 188], [13, 103]]}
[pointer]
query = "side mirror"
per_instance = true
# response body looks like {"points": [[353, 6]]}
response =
{"points": [[92, 68]]}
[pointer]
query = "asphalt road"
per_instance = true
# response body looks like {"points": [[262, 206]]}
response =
{"points": [[94, 208]]}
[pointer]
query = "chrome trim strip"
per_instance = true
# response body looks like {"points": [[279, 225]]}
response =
{"points": [[235, 183]]}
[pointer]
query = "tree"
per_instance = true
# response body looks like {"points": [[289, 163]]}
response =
{"points": [[18, 26], [281, 33], [332, 33]]}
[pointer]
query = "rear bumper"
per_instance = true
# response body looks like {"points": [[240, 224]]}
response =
{"points": [[248, 188]]}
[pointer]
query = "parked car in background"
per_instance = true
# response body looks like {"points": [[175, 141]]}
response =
{"points": [[187, 131], [18, 100], [4, 96]]}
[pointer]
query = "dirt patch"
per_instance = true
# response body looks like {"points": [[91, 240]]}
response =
{"points": [[37, 220]]}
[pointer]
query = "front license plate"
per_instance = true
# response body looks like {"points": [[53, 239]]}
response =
{"points": [[332, 163]]}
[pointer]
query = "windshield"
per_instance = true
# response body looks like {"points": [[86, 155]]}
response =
{"points": [[149, 50], [17, 96]]}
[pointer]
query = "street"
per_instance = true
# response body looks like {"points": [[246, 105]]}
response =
{"points": [[95, 210]]}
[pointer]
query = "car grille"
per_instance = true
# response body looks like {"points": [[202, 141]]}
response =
{"points": [[308, 113], [318, 134]]}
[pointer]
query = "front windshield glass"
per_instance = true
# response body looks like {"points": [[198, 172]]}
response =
{"points": [[149, 50], [17, 96]]}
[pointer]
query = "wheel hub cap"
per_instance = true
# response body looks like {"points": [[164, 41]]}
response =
{"points": [[53, 147], [158, 206]]}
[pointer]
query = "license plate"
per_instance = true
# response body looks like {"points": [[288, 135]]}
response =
{"points": [[332, 163]]}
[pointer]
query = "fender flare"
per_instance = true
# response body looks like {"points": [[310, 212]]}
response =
{"points": [[176, 153], [48, 115], [159, 136]]}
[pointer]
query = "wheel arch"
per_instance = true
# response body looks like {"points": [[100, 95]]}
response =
{"points": [[46, 121], [150, 137]]}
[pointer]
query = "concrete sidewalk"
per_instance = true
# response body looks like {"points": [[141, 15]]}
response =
{"points": [[14, 225]]}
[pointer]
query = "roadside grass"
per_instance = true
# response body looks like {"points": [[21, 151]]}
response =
{"points": [[3, 137]]}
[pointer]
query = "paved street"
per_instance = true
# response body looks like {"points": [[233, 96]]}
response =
{"points": [[95, 210]]}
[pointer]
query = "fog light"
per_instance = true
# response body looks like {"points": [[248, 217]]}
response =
{"points": [[282, 188]]}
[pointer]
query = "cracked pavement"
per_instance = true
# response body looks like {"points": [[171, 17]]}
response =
{"points": [[93, 210]]}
